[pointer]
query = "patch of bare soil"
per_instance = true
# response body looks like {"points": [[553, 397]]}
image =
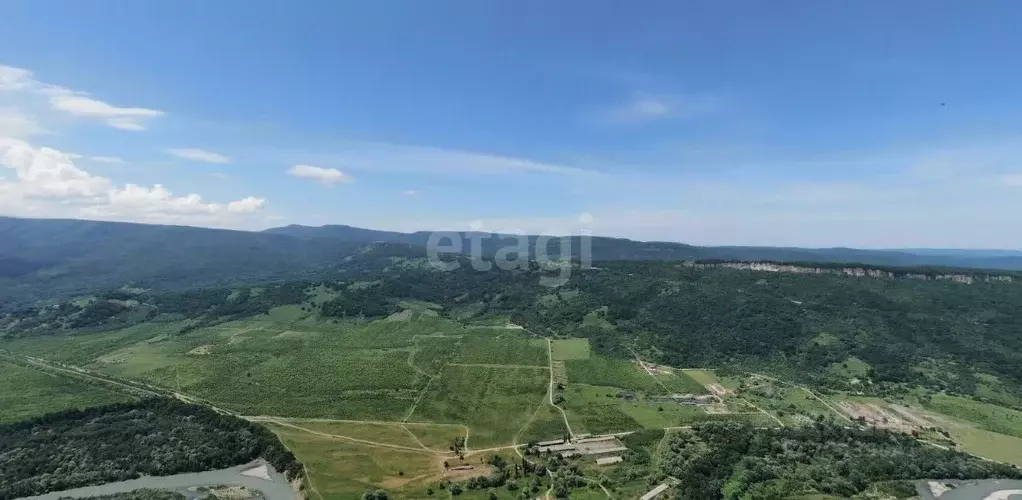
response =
{"points": [[877, 416], [202, 350]]}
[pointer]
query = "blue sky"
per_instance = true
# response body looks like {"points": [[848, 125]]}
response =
{"points": [[869, 124]]}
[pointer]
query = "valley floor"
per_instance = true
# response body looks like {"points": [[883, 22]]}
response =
{"points": [[394, 403]]}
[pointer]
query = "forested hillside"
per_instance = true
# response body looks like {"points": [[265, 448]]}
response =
{"points": [[122, 441], [48, 259], [861, 333], [45, 259], [733, 461]]}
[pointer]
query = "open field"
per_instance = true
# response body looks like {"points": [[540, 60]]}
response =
{"points": [[565, 349], [609, 372], [344, 470], [27, 392], [987, 416], [678, 382], [494, 402], [546, 424], [988, 444], [392, 434], [436, 437], [407, 387], [594, 409], [507, 349]]}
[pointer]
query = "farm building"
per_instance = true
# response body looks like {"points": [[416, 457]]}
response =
{"points": [[558, 448], [609, 460], [653, 493], [550, 443]]}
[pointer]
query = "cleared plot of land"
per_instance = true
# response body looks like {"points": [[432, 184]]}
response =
{"points": [[504, 350], [565, 349], [494, 402], [380, 433], [344, 470], [436, 437], [596, 410], [547, 424], [705, 377], [988, 444], [677, 382], [796, 407], [26, 392], [609, 372], [987, 416]]}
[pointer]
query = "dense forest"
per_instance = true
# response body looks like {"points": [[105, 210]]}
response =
{"points": [[45, 259], [122, 441], [731, 461], [908, 332]]}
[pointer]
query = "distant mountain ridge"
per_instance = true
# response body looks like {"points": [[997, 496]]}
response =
{"points": [[608, 248], [52, 258]]}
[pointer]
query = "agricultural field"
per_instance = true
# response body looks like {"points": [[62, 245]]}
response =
{"points": [[609, 372], [505, 349], [546, 424], [986, 416], [436, 438], [494, 402], [987, 444], [380, 403], [340, 469], [565, 349], [28, 392], [678, 382]]}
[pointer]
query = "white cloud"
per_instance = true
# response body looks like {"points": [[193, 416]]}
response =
{"points": [[107, 159], [196, 154], [322, 175], [399, 158], [77, 103], [410, 192], [48, 183], [15, 78], [246, 205], [15, 123], [643, 107]]}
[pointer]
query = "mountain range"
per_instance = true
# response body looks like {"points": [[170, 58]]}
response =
{"points": [[51, 258]]}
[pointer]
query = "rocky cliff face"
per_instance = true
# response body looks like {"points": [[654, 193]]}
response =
{"points": [[855, 271]]}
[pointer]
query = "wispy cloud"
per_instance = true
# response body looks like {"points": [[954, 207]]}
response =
{"points": [[107, 159], [643, 107], [77, 103], [201, 155], [326, 176], [398, 158], [15, 123]]}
